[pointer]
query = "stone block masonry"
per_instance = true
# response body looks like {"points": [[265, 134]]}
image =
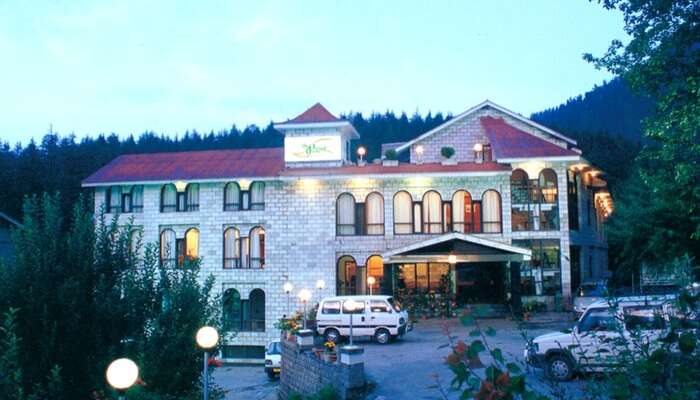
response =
{"points": [[305, 374]]}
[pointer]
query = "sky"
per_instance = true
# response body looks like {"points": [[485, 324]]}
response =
{"points": [[132, 66]]}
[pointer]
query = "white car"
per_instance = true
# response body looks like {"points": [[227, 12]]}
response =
{"points": [[273, 358], [590, 345], [380, 317]]}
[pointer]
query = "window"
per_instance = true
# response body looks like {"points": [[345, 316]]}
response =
{"points": [[192, 199], [491, 203], [548, 195], [331, 307], [256, 323], [644, 318], [360, 307], [374, 212], [462, 214], [257, 196], [232, 197], [243, 315], [347, 276], [432, 212], [231, 315], [135, 238], [345, 215], [597, 320], [168, 251], [520, 201], [403, 212], [192, 243], [114, 199], [542, 274], [137, 199], [257, 247], [168, 198], [422, 276], [232, 248], [379, 306], [375, 269]]}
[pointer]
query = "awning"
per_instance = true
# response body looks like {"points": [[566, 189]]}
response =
{"points": [[464, 248]]}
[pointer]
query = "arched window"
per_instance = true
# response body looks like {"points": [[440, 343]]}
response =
{"points": [[192, 193], [374, 212], [375, 269], [403, 213], [114, 199], [232, 197], [256, 322], [347, 276], [549, 191], [432, 212], [136, 199], [257, 195], [462, 214], [192, 243], [232, 248], [168, 198], [168, 250], [345, 215], [231, 315], [520, 196], [257, 247], [491, 203]]}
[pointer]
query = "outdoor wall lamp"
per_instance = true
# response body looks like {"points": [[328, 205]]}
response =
{"points": [[121, 374], [207, 338]]}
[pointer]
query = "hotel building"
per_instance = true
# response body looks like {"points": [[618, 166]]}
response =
{"points": [[516, 213]]}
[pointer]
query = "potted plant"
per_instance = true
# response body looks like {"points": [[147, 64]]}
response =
{"points": [[329, 354], [390, 158], [448, 153]]}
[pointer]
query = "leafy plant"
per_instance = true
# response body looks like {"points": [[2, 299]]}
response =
{"points": [[447, 152], [391, 154]]}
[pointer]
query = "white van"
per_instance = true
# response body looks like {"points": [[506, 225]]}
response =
{"points": [[378, 316]]}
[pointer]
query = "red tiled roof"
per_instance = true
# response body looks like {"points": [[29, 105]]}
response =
{"points": [[317, 113], [189, 165], [510, 142], [402, 168]]}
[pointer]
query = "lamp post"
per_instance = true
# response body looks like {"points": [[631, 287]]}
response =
{"points": [[370, 282], [121, 374], [350, 306], [304, 296], [320, 285], [361, 151], [207, 338], [288, 289]]}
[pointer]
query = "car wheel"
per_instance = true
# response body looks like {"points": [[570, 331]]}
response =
{"points": [[560, 368], [332, 335], [382, 336]]}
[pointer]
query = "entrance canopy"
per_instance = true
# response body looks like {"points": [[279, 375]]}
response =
{"points": [[465, 248]]}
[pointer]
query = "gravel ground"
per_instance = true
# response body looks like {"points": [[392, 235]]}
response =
{"points": [[409, 368]]}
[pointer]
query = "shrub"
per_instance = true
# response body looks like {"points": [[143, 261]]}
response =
{"points": [[447, 151], [391, 154]]}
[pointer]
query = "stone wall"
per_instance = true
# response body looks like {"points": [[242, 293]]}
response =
{"points": [[304, 373]]}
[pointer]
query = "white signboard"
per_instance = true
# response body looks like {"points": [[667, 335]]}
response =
{"points": [[312, 148]]}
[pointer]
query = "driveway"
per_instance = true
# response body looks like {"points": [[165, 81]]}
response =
{"points": [[408, 368]]}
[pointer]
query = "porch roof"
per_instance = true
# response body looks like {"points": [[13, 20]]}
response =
{"points": [[465, 248]]}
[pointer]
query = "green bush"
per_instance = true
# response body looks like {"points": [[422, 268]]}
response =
{"points": [[391, 154], [447, 151]]}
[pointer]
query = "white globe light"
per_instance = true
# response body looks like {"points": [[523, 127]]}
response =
{"points": [[320, 284], [207, 337], [304, 295], [288, 287], [452, 259], [419, 149], [361, 151], [371, 280], [478, 147], [122, 373]]}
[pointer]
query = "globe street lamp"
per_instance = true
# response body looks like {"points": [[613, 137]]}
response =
{"points": [[122, 374], [320, 285], [304, 296], [361, 151], [207, 338], [351, 306], [370, 282], [288, 289]]}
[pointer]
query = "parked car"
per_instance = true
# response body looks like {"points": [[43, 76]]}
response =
{"points": [[380, 317], [587, 294], [590, 345], [273, 358]]}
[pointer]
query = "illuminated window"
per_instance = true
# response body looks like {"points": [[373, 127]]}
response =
{"points": [[375, 269], [432, 212], [192, 243], [232, 248], [462, 213], [345, 215], [403, 213], [491, 205], [257, 247], [374, 213]]}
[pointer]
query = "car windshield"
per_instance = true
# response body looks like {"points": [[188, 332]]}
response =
{"points": [[394, 304], [274, 348], [591, 290]]}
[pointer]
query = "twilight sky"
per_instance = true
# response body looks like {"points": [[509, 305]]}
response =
{"points": [[130, 66]]}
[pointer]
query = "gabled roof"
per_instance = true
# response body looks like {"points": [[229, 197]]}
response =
{"points": [[476, 108], [316, 113], [190, 165], [509, 142], [9, 219], [497, 246]]}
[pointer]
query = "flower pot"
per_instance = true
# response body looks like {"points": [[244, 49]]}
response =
{"points": [[449, 161]]}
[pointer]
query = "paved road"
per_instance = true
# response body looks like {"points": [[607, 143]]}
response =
{"points": [[405, 369]]}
